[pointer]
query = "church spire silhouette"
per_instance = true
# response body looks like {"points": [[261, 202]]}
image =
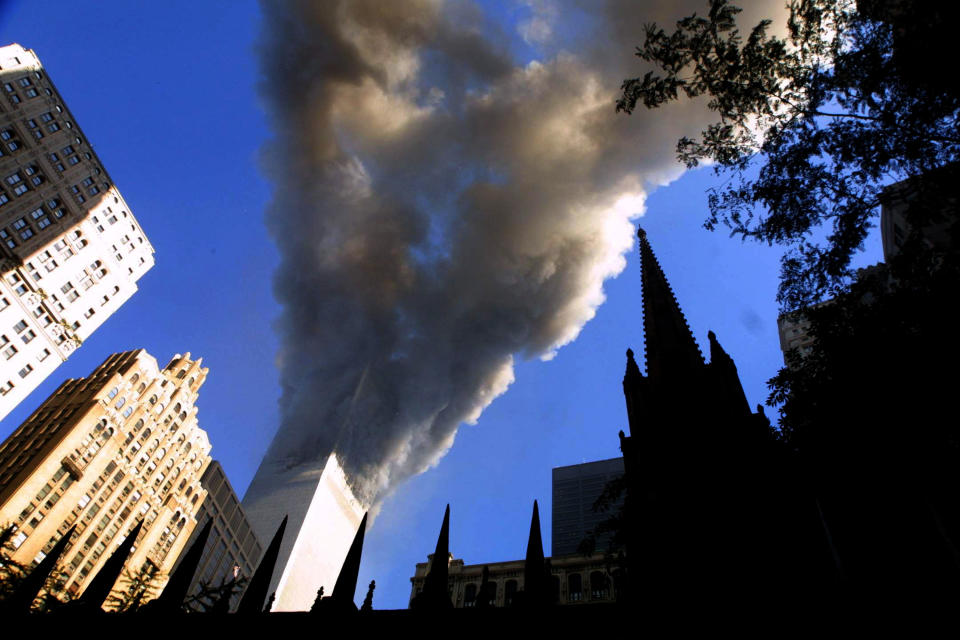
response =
{"points": [[669, 346]]}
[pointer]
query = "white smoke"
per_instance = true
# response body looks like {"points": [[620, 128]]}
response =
{"points": [[441, 208]]}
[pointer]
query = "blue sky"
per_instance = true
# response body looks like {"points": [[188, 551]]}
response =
{"points": [[166, 93]]}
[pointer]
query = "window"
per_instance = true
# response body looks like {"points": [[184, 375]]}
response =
{"points": [[6, 134], [20, 189], [46, 117], [43, 355], [4, 303], [27, 233], [18, 539], [9, 352], [4, 198], [32, 93], [122, 401], [574, 587], [43, 223], [24, 82], [113, 393], [28, 336], [20, 326], [25, 371], [88, 313], [128, 411], [13, 178], [6, 387]]}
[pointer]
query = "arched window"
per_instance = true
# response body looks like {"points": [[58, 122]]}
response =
{"points": [[138, 426], [176, 408], [162, 452], [128, 411], [142, 387], [490, 593], [122, 401], [113, 392], [135, 377], [153, 399], [181, 374], [189, 491], [194, 499], [599, 586], [509, 592], [470, 596], [190, 382], [574, 587]]}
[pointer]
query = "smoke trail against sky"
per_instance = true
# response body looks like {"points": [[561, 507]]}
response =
{"points": [[451, 189]]}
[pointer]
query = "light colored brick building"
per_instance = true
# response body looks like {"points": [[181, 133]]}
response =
{"points": [[71, 251], [102, 453]]}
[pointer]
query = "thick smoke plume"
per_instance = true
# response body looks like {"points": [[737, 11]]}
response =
{"points": [[451, 192]]}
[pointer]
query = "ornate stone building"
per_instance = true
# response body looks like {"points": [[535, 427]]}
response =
{"points": [[102, 453], [71, 251], [574, 580]]}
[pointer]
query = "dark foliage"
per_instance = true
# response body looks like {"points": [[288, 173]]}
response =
{"points": [[812, 126], [140, 586], [210, 598], [611, 497]]}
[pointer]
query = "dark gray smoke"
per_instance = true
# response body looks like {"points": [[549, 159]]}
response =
{"points": [[441, 208]]}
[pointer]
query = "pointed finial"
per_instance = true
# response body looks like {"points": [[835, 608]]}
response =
{"points": [[176, 590], [317, 601], [99, 588], [534, 574], [435, 594], [641, 233], [256, 592], [368, 601], [346, 586], [632, 369], [23, 596]]}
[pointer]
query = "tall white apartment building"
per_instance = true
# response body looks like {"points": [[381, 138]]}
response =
{"points": [[71, 251]]}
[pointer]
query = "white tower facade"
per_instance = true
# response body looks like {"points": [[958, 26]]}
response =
{"points": [[71, 251], [323, 518]]}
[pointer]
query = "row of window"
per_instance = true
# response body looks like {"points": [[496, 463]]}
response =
{"points": [[23, 85], [599, 589]]}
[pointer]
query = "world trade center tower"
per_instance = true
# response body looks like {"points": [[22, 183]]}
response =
{"points": [[323, 517]]}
